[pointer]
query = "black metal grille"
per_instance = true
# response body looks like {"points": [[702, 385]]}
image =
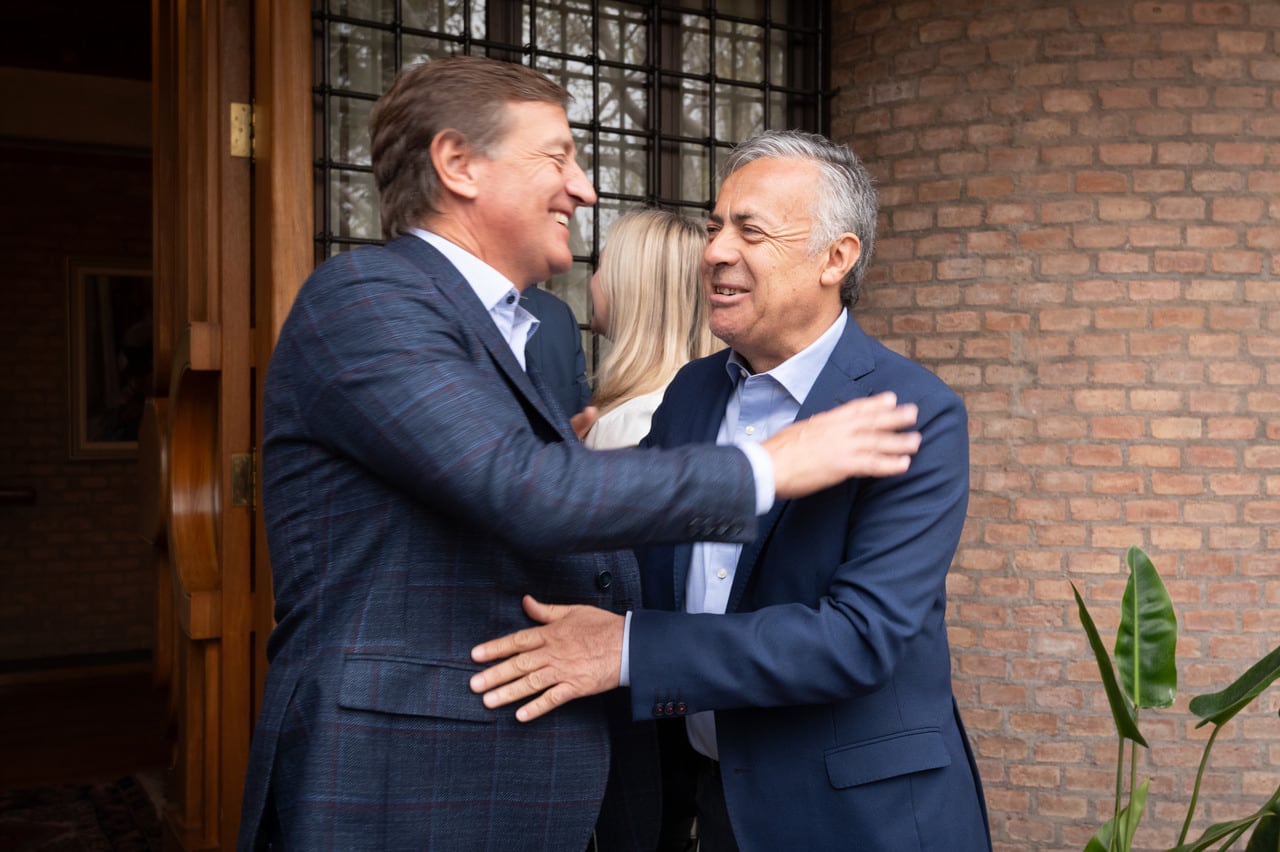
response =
{"points": [[660, 91]]}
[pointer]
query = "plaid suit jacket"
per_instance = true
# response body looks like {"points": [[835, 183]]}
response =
{"points": [[416, 483]]}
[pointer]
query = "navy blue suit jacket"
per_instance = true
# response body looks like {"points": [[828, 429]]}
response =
{"points": [[416, 482], [555, 350], [830, 673]]}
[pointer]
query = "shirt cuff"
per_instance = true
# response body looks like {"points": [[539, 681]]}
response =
{"points": [[624, 673], [762, 470]]}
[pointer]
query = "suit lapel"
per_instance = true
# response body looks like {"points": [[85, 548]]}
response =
{"points": [[840, 381], [704, 417], [454, 288]]}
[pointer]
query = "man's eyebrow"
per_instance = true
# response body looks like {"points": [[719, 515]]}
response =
{"points": [[738, 217]]}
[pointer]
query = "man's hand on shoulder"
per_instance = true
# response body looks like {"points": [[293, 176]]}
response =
{"points": [[576, 652], [865, 437]]}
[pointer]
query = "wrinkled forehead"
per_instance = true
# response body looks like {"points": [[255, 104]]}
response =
{"points": [[767, 190]]}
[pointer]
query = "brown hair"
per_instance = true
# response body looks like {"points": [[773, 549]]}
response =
{"points": [[468, 94]]}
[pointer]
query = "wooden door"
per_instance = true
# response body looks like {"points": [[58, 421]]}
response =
{"points": [[233, 241]]}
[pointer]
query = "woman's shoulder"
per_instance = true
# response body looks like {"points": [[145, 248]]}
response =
{"points": [[625, 424]]}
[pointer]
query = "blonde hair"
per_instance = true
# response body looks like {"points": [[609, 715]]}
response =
{"points": [[651, 277]]}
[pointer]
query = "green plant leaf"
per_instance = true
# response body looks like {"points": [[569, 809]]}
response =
{"points": [[1266, 835], [1121, 710], [1219, 707], [1101, 841], [1215, 833], [1147, 641]]}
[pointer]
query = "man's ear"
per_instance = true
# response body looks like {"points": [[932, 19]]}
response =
{"points": [[841, 256], [455, 162]]}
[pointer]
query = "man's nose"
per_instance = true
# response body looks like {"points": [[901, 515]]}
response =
{"points": [[719, 250], [579, 186]]}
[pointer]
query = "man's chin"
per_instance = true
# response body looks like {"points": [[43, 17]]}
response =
{"points": [[559, 266]]}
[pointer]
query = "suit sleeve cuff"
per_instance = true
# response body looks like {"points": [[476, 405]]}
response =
{"points": [[762, 470]]}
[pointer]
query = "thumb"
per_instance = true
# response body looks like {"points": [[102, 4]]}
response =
{"points": [[543, 613], [584, 420]]}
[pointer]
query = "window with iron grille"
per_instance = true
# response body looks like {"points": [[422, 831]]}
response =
{"points": [[661, 90]]}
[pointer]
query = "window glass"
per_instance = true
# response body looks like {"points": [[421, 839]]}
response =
{"points": [[661, 90]]}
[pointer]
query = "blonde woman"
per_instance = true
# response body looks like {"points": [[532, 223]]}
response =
{"points": [[647, 298]]}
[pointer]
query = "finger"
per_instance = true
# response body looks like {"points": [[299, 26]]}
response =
{"points": [[546, 702], [518, 689], [891, 417], [582, 422], [537, 610], [890, 465], [522, 665], [904, 415], [544, 613], [887, 399], [893, 443], [506, 646]]}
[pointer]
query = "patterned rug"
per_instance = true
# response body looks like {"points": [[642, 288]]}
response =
{"points": [[115, 816]]}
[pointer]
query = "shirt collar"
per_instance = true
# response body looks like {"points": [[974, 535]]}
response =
{"points": [[500, 298], [490, 285], [798, 373]]}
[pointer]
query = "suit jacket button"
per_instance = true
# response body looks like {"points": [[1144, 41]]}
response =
{"points": [[657, 709], [604, 580], [670, 709], [681, 709]]}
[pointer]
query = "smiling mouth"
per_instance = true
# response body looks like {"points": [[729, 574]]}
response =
{"points": [[725, 291], [561, 219]]}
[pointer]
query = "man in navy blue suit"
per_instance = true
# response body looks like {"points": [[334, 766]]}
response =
{"points": [[807, 671], [416, 480]]}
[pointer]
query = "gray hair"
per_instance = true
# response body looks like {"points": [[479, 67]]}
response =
{"points": [[846, 199]]}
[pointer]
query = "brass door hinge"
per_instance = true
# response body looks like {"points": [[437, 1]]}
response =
{"points": [[244, 479], [241, 130]]}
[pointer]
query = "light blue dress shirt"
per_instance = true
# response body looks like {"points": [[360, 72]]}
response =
{"points": [[761, 405]]}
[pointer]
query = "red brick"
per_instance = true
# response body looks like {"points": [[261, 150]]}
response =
{"points": [[1136, 241], [1216, 124], [1240, 97], [1182, 153], [1216, 181], [1158, 12], [1158, 180], [1097, 182], [1061, 100], [1239, 153], [1160, 124]]}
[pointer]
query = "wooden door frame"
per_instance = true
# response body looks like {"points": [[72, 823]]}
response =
{"points": [[233, 242]]}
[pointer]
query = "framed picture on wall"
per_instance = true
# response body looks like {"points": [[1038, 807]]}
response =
{"points": [[109, 334]]}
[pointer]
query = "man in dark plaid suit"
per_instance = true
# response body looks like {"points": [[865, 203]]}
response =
{"points": [[416, 483]]}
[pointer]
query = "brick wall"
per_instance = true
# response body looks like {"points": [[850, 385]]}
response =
{"points": [[72, 577], [1080, 233]]}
